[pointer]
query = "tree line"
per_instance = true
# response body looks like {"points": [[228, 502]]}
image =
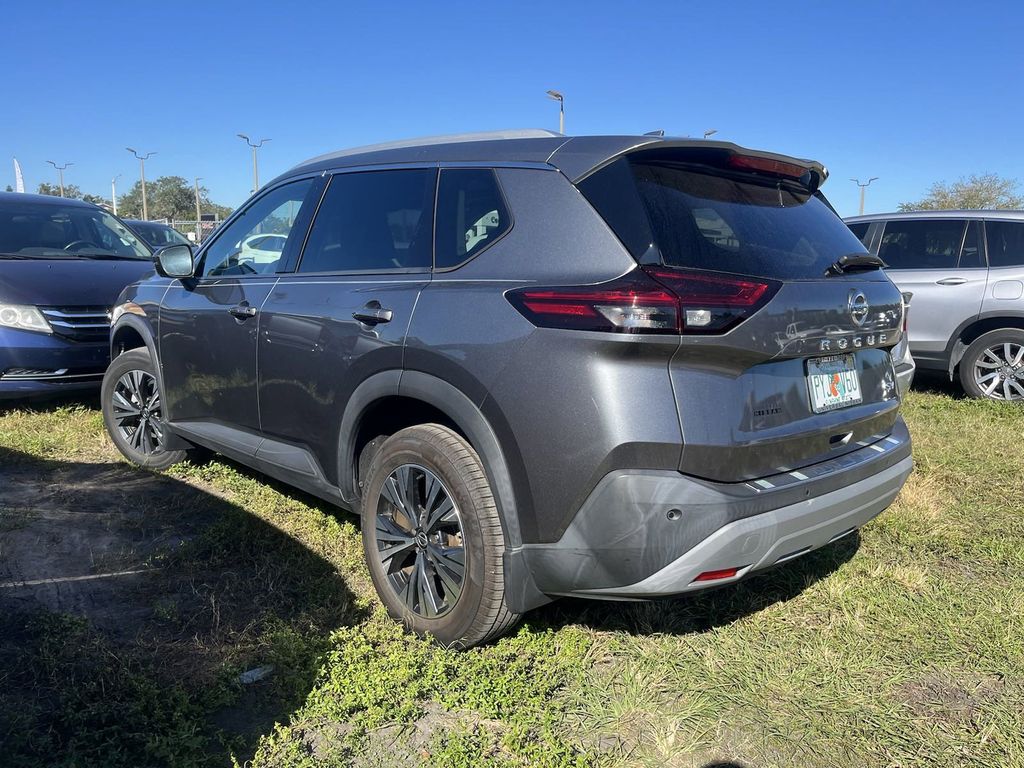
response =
{"points": [[168, 197]]}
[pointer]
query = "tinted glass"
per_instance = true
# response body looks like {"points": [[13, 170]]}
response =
{"points": [[922, 244], [860, 230], [471, 214], [233, 253], [159, 235], [970, 254], [687, 215], [34, 230], [1005, 243], [375, 221]]}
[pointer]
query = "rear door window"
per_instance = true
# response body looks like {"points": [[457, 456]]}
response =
{"points": [[860, 229], [1005, 243], [684, 214], [922, 243], [373, 221]]}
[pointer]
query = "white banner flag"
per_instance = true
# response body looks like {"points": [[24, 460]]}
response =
{"points": [[19, 180]]}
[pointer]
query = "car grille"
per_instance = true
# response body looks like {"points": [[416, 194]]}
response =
{"points": [[79, 323]]}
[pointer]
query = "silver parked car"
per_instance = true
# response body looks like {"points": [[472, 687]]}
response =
{"points": [[965, 270]]}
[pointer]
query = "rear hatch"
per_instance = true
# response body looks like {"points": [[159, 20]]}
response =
{"points": [[785, 324]]}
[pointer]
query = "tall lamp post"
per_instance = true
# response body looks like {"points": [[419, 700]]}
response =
{"points": [[710, 132], [142, 175], [255, 165], [113, 193], [199, 215], [60, 170], [863, 186], [557, 96]]}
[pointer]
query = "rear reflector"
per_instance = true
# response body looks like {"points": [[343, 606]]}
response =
{"points": [[647, 300], [725, 573]]}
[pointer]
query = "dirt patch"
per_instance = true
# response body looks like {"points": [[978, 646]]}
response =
{"points": [[82, 538], [955, 699]]}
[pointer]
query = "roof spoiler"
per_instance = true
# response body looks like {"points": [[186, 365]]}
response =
{"points": [[808, 173]]}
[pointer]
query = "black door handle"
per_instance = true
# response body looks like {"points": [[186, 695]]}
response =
{"points": [[373, 315], [243, 311]]}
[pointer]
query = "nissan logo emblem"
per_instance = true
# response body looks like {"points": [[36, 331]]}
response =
{"points": [[858, 307]]}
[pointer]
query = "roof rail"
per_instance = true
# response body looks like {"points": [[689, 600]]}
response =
{"points": [[451, 138]]}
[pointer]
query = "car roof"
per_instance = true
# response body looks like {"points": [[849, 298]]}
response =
{"points": [[147, 223], [575, 156], [972, 213], [24, 197]]}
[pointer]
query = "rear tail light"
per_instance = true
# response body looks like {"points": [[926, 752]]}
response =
{"points": [[648, 300]]}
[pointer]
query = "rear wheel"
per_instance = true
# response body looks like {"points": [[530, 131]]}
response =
{"points": [[993, 366], [133, 411], [433, 538]]}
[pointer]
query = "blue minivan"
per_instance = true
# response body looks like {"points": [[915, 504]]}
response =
{"points": [[62, 264]]}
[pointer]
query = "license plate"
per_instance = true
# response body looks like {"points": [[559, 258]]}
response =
{"points": [[833, 383]]}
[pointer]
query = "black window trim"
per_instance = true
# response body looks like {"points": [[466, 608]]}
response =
{"points": [[329, 177], [504, 199], [199, 259]]}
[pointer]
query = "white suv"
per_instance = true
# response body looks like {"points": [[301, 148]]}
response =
{"points": [[965, 270]]}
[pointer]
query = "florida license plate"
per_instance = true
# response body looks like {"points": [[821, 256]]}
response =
{"points": [[833, 382]]}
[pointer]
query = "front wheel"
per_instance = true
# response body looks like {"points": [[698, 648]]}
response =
{"points": [[433, 538], [133, 411], [993, 366]]}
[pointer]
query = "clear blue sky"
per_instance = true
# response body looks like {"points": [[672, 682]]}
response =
{"points": [[911, 92]]}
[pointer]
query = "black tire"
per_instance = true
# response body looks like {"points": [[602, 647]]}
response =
{"points": [[136, 437], [478, 612], [990, 375]]}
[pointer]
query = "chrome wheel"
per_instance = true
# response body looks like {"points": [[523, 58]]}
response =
{"points": [[999, 371], [420, 541], [138, 412]]}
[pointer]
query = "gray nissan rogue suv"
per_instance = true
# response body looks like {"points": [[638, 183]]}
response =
{"points": [[614, 367]]}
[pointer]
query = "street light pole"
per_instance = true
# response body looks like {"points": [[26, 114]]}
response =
{"points": [[255, 164], [113, 193], [199, 215], [862, 188], [60, 170], [710, 132], [142, 175], [557, 96]]}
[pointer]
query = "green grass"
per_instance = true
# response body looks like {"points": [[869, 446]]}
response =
{"points": [[901, 647]]}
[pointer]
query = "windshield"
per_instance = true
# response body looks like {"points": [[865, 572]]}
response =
{"points": [[34, 230], [679, 214], [158, 235]]}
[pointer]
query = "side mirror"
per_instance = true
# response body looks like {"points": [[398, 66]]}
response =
{"points": [[174, 260]]}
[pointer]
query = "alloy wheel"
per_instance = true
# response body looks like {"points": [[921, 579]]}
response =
{"points": [[420, 541], [999, 371], [138, 411]]}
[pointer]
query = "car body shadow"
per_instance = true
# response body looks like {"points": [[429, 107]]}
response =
{"points": [[705, 610], [106, 568]]}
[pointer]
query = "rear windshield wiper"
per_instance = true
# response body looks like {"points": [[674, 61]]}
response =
{"points": [[854, 262]]}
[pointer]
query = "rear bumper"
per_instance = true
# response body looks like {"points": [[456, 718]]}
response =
{"points": [[58, 365], [645, 534]]}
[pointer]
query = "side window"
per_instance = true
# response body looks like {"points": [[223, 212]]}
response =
{"points": [[860, 229], [471, 214], [233, 253], [1005, 243], [970, 254], [922, 244], [373, 221]]}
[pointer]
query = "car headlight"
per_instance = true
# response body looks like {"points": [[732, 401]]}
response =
{"points": [[26, 318]]}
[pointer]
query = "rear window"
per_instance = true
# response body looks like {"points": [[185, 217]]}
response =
{"points": [[923, 243], [681, 214], [1005, 243]]}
